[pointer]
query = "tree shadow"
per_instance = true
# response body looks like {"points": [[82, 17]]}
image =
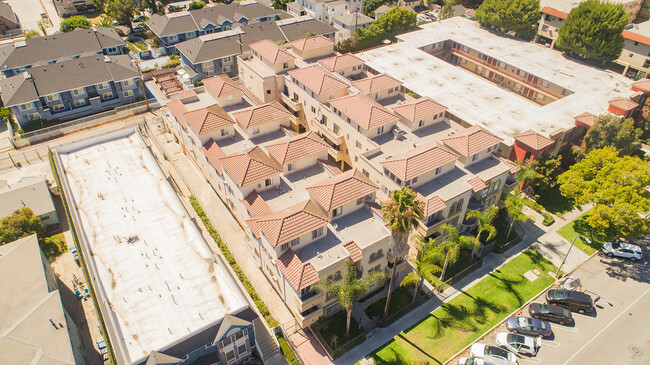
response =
{"points": [[597, 238], [510, 287]]}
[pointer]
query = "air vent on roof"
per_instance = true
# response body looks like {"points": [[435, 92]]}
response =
{"points": [[107, 59], [26, 75]]}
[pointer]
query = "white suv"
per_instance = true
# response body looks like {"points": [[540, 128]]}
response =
{"points": [[620, 248]]}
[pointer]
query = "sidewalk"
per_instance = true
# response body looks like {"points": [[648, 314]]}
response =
{"points": [[232, 233]]}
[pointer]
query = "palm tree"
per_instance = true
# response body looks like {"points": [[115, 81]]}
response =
{"points": [[484, 220], [423, 264], [514, 206], [450, 249], [526, 175], [401, 212], [350, 290]]}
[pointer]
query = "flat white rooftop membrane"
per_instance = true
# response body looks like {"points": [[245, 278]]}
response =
{"points": [[478, 101], [165, 284]]}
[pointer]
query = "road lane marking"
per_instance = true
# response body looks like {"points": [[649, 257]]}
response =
{"points": [[609, 324]]}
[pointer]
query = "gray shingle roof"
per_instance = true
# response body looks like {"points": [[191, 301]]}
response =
{"points": [[33, 194], [66, 75], [7, 12], [259, 31], [294, 30], [210, 47], [57, 46]]}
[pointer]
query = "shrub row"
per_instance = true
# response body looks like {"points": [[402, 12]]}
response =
{"points": [[231, 261]]}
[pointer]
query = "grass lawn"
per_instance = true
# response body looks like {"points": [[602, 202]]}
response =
{"points": [[577, 226], [500, 223], [286, 349], [554, 202], [336, 328], [456, 324]]}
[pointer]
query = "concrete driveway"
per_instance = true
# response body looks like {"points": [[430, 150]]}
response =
{"points": [[29, 13]]}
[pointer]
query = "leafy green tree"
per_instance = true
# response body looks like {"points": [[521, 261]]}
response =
{"points": [[281, 4], [74, 22], [30, 33], [447, 10], [350, 290], [450, 248], [514, 206], [197, 5], [594, 29], [309, 35], [155, 6], [616, 185], [369, 6], [423, 266], [401, 212], [485, 221], [609, 131], [123, 11], [546, 172], [397, 21], [517, 16], [471, 4], [21, 223], [525, 176]]}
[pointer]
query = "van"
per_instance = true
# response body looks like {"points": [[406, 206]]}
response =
{"points": [[571, 300]]}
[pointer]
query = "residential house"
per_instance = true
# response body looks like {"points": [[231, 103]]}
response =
{"points": [[345, 65], [8, 19], [224, 90], [262, 120], [325, 10], [71, 89], [635, 56], [66, 8], [312, 47], [379, 87], [211, 54], [38, 51], [349, 23], [33, 194], [298, 27], [258, 70]]}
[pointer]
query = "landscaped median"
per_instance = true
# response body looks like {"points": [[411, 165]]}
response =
{"points": [[465, 318]]}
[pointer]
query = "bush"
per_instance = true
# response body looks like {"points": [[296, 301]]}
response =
{"points": [[172, 63], [74, 22], [197, 5], [30, 33], [198, 83], [548, 219]]}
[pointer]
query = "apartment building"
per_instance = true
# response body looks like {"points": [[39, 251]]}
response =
{"points": [[635, 56], [37, 51], [555, 12], [325, 10], [71, 89]]}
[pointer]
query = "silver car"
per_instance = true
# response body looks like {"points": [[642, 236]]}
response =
{"points": [[520, 344], [620, 248], [487, 360], [481, 350]]}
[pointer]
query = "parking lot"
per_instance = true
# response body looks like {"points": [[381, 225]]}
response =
{"points": [[617, 332]]}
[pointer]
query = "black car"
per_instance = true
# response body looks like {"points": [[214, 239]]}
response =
{"points": [[550, 312], [569, 299]]}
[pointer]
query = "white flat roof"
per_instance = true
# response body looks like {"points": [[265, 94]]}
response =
{"points": [[479, 101], [166, 284], [567, 5]]}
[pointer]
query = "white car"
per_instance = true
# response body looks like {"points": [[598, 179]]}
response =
{"points": [[520, 344], [482, 350], [620, 248], [487, 360]]}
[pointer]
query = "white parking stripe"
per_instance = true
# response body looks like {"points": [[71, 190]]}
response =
{"points": [[550, 343], [567, 329]]}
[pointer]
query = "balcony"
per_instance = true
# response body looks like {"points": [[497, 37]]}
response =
{"points": [[308, 296], [308, 317], [434, 222], [294, 105], [332, 138], [474, 204]]}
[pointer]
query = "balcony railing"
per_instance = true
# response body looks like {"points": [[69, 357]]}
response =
{"points": [[434, 223], [331, 136], [309, 295], [293, 104]]}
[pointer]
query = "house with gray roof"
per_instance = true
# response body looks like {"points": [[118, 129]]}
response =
{"points": [[17, 57], [33, 194], [35, 327], [72, 88], [8, 19], [296, 28]]}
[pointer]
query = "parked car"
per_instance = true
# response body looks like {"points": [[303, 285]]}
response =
{"points": [[487, 360], [520, 344], [571, 300], [620, 248], [482, 350], [550, 312], [139, 19], [529, 326]]}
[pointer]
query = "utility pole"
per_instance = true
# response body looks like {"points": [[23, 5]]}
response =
{"points": [[144, 92], [567, 255]]}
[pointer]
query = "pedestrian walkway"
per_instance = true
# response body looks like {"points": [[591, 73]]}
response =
{"points": [[309, 350]]}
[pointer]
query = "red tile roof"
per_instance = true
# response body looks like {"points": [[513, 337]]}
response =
{"points": [[299, 147], [554, 12], [623, 104], [432, 204], [341, 189], [259, 115], [513, 166], [476, 183], [296, 221], [207, 120], [471, 141], [298, 274], [419, 109], [534, 140], [214, 154], [271, 51], [255, 205], [643, 85], [250, 167], [316, 79], [586, 119], [178, 109], [337, 63], [636, 37], [377, 83], [308, 44], [354, 250], [419, 161], [221, 86], [363, 111]]}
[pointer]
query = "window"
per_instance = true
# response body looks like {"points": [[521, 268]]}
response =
{"points": [[230, 355], [337, 276], [544, 27], [268, 182], [636, 43], [522, 73], [227, 341], [226, 69], [77, 92], [332, 309], [34, 116], [336, 212], [539, 96], [102, 86], [189, 34], [462, 61], [358, 144], [291, 166], [112, 50], [631, 55], [231, 97], [227, 59], [295, 241], [242, 349], [313, 109], [438, 170], [415, 179], [80, 102], [128, 93], [646, 64], [377, 96], [53, 97], [495, 186], [285, 65], [361, 200], [209, 73], [543, 83], [224, 132], [26, 106], [421, 123], [380, 130], [317, 233], [127, 83], [58, 107], [256, 130], [501, 64], [336, 129], [108, 95], [285, 246], [475, 157]]}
